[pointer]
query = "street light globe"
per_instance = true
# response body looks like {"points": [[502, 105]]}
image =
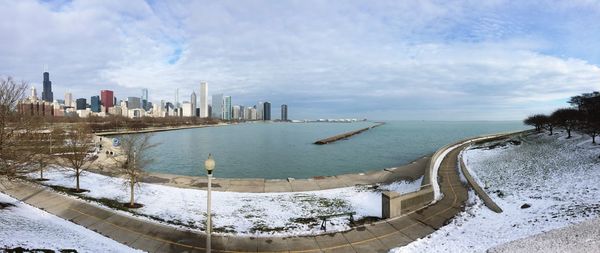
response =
{"points": [[209, 164]]}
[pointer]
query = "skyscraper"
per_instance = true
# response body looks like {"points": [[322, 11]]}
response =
{"points": [[33, 94], [193, 102], [267, 111], [81, 104], [145, 99], [107, 99], [68, 99], [259, 110], [284, 116], [242, 112], [47, 94], [227, 110], [203, 100], [95, 101], [186, 109], [217, 106], [235, 112], [177, 105], [134, 103]]}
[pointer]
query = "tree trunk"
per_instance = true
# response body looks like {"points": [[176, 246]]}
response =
{"points": [[568, 133], [131, 187], [77, 176], [41, 173], [594, 139]]}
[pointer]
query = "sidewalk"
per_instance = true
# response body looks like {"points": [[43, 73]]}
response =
{"points": [[154, 237]]}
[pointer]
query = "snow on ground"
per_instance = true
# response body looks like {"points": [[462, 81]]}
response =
{"points": [[241, 213], [581, 237], [557, 177], [25, 226]]}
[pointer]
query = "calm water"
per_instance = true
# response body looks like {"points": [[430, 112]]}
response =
{"points": [[282, 150]]}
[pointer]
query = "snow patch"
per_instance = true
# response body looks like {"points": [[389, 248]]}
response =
{"points": [[557, 177], [28, 227], [252, 214]]}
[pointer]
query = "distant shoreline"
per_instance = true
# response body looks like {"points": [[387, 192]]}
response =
{"points": [[157, 129]]}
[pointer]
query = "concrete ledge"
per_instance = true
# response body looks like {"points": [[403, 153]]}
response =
{"points": [[478, 190], [394, 204]]}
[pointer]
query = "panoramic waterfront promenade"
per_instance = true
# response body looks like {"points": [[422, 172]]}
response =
{"points": [[154, 237]]}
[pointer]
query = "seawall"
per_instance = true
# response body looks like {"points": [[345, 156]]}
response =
{"points": [[345, 135]]}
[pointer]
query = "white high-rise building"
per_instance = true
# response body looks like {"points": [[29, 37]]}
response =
{"points": [[33, 94], [68, 99], [247, 113], [217, 106], [260, 110], [193, 102], [252, 114], [186, 108], [124, 109], [235, 112], [203, 100]]}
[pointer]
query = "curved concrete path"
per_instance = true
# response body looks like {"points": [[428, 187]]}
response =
{"points": [[411, 171], [154, 237]]}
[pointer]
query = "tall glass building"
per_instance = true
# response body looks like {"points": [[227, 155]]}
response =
{"points": [[227, 109], [267, 111], [284, 116], [47, 94], [217, 106], [95, 103]]}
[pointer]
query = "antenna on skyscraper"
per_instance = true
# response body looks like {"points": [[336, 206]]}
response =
{"points": [[45, 67]]}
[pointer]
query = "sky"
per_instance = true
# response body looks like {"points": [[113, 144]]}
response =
{"points": [[402, 60]]}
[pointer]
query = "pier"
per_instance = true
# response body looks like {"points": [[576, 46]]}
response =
{"points": [[345, 135]]}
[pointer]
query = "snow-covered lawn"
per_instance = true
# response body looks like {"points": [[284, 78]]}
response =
{"points": [[557, 177], [24, 226], [241, 213]]}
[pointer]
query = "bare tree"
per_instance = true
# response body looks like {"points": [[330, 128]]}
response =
{"points": [[567, 118], [537, 121], [592, 129], [47, 142], [132, 161], [547, 123], [579, 101], [12, 126], [78, 147]]}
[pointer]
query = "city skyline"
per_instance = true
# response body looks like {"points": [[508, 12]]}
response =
{"points": [[388, 60], [106, 104]]}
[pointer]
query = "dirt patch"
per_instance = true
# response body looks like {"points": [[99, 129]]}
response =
{"points": [[5, 205], [155, 180], [134, 206]]}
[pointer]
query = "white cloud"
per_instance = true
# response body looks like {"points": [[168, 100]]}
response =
{"points": [[323, 59]]}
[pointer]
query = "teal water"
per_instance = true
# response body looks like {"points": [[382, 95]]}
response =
{"points": [[282, 150]]}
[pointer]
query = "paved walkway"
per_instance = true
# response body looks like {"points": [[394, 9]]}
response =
{"points": [[410, 171], [154, 237]]}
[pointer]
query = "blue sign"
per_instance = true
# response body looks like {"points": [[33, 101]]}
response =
{"points": [[116, 142]]}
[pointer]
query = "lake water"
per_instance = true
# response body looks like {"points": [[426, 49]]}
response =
{"points": [[282, 150]]}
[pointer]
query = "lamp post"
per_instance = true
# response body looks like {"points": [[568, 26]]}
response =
{"points": [[209, 164]]}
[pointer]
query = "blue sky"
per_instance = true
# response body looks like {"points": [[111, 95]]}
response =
{"points": [[416, 60]]}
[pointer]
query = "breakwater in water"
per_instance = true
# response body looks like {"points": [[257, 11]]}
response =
{"points": [[345, 135]]}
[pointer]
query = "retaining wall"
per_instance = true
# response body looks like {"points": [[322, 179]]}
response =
{"points": [[394, 204]]}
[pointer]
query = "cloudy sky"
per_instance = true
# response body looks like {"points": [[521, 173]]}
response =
{"points": [[444, 60]]}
